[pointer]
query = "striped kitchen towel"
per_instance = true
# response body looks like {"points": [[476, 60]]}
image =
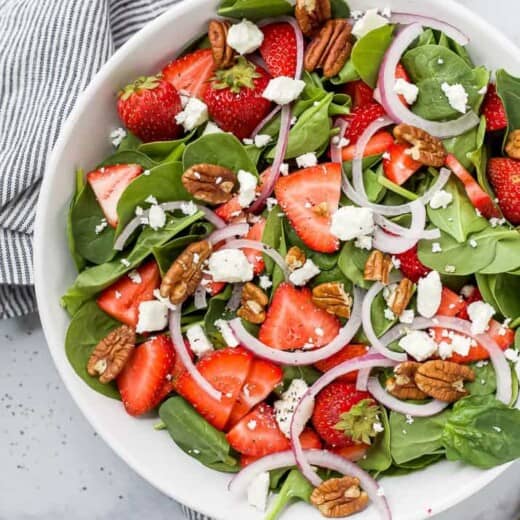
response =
{"points": [[49, 52]]}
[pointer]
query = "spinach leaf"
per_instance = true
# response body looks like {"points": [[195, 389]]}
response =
{"points": [[507, 257], [308, 373], [368, 162], [379, 456], [167, 253], [462, 145], [274, 236], [506, 288], [485, 380], [296, 486], [419, 463], [254, 9], [348, 267], [485, 289], [340, 9], [217, 310], [374, 189], [368, 53], [482, 431], [222, 149], [129, 142], [87, 328], [79, 261], [347, 74], [159, 151], [128, 157], [196, 437], [95, 279], [508, 88]]}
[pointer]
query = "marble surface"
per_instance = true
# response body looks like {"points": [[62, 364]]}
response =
{"points": [[54, 466]]}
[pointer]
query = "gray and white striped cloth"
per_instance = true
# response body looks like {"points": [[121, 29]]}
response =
{"points": [[49, 52]]}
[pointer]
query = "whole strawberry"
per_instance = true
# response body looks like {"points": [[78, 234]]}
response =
{"points": [[148, 106], [411, 266], [504, 175], [234, 98], [493, 110]]}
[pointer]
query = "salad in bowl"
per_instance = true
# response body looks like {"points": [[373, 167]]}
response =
{"points": [[303, 256]]}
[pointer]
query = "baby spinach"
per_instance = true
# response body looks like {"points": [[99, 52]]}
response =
{"points": [[79, 261], [483, 282], [368, 162], [167, 253], [508, 88], [196, 437], [482, 431], [128, 157], [462, 145], [379, 457], [254, 9], [87, 328], [507, 257], [368, 53], [374, 189], [159, 151], [308, 373], [349, 268], [222, 149], [217, 310], [340, 9], [347, 74], [296, 486], [506, 288], [274, 236], [485, 380], [129, 142]]}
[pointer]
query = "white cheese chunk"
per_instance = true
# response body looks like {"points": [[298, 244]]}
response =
{"points": [[364, 242], [199, 343], [117, 135], [189, 208], [302, 275], [262, 140], [227, 334], [247, 189], [457, 96], [480, 313], [306, 160], [350, 222], [418, 344], [258, 491], [194, 114], [212, 128], [283, 90], [284, 408], [441, 199], [244, 37], [429, 293], [406, 89], [370, 21], [153, 316], [230, 265], [156, 217]]}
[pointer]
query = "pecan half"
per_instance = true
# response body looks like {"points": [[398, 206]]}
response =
{"points": [[330, 49], [223, 54], [443, 380], [513, 145], [253, 303], [210, 183], [185, 273], [402, 385], [378, 267], [400, 298], [427, 149], [311, 15], [110, 355], [295, 258], [339, 497], [331, 296]]}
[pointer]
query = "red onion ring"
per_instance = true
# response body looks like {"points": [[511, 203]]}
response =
{"points": [[322, 458], [182, 352], [199, 297], [233, 230], [392, 104], [236, 296], [362, 378], [336, 149], [396, 229], [301, 357]]}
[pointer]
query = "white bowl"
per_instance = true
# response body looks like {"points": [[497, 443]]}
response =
{"points": [[84, 142]]}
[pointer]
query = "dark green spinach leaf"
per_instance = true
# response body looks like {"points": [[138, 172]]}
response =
{"points": [[295, 487], [254, 9]]}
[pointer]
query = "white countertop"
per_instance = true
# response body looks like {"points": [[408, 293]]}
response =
{"points": [[53, 466]]}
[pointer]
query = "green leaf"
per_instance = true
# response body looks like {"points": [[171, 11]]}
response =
{"points": [[347, 74], [485, 379], [128, 157], [507, 257], [505, 289], [348, 267], [254, 9], [79, 261], [296, 486], [340, 9], [485, 289], [129, 142], [274, 236], [217, 310], [379, 456], [508, 88], [167, 253], [196, 437], [368, 162], [462, 145], [308, 373], [86, 329], [482, 431], [368, 53], [159, 151]]}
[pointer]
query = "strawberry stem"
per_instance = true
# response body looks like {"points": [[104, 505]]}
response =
{"points": [[358, 423], [242, 74], [140, 84]]}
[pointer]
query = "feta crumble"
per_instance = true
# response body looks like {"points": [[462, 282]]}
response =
{"points": [[265, 282], [283, 90], [436, 247], [151, 199], [406, 89], [350, 222], [457, 96], [479, 314], [189, 208], [262, 140], [101, 226], [135, 277], [153, 316], [247, 189], [156, 217], [195, 113], [429, 292], [418, 344], [389, 315], [244, 37], [302, 275], [125, 262], [212, 128], [230, 265], [364, 242], [199, 343], [284, 169], [226, 332], [441, 199], [116, 136], [473, 243], [284, 408], [307, 160], [270, 203], [258, 491], [407, 316], [370, 21]]}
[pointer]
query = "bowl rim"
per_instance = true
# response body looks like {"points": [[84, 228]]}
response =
{"points": [[467, 488]]}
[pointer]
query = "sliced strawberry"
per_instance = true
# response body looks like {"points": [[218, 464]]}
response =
{"points": [[255, 257], [346, 353], [308, 198], [411, 266], [504, 175], [451, 303], [294, 321], [108, 184], [191, 73], [144, 375], [400, 166], [400, 73], [211, 286], [360, 119], [177, 370], [353, 453], [493, 110], [478, 197], [360, 93], [226, 370], [278, 49], [379, 144], [230, 210], [474, 296], [121, 300], [260, 382]]}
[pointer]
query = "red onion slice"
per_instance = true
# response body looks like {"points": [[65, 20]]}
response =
{"points": [[336, 149], [236, 296], [199, 298], [396, 229], [233, 230], [392, 104], [301, 357], [426, 21], [321, 458], [362, 379], [182, 352]]}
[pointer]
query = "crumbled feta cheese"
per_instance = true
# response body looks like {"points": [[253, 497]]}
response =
{"points": [[429, 292], [194, 114], [356, 14], [283, 90], [135, 276], [386, 12], [265, 282], [153, 315], [495, 222], [185, 97], [117, 135], [450, 268], [440, 61], [350, 222], [406, 89], [262, 140], [409, 419], [156, 217], [157, 295], [284, 408], [227, 334], [436, 247], [460, 344], [244, 37], [284, 168], [139, 211], [457, 96], [389, 315], [230, 265], [258, 491], [364, 242], [307, 160], [125, 262], [247, 189], [212, 128], [248, 141], [467, 290], [441, 199], [407, 316], [370, 21], [473, 243], [270, 203], [483, 90], [512, 355], [497, 429], [199, 343], [118, 295], [418, 344], [151, 199], [396, 262], [302, 275], [101, 226], [189, 208], [445, 349], [378, 427], [480, 313]]}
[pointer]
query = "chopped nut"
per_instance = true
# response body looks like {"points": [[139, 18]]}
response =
{"points": [[378, 267], [295, 258], [312, 14], [110, 355], [330, 49], [331, 296], [321, 209], [339, 497], [402, 385], [253, 304], [401, 297], [210, 183], [513, 145], [443, 380], [223, 54], [185, 273], [427, 149]]}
